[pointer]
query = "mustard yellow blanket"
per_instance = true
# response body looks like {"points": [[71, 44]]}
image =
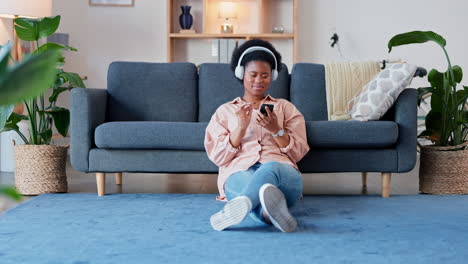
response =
{"points": [[343, 81]]}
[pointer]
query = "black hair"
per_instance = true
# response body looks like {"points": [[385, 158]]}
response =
{"points": [[258, 55]]}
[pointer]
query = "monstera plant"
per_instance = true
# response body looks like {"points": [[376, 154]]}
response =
{"points": [[443, 167], [42, 115], [447, 121], [23, 80]]}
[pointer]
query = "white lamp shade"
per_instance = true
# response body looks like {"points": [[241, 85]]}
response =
{"points": [[26, 8], [227, 10]]}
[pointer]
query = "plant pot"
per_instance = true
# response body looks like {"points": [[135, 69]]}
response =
{"points": [[444, 170], [40, 169]]}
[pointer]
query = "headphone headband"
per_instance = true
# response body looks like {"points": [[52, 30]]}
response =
{"points": [[254, 48], [239, 71]]}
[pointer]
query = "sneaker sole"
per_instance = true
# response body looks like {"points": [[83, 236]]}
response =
{"points": [[232, 214], [275, 206]]}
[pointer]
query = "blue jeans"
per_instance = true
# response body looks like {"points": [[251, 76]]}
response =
{"points": [[248, 183]]}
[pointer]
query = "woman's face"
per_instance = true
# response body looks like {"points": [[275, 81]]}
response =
{"points": [[257, 77]]}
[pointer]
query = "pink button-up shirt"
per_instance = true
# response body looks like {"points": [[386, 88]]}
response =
{"points": [[257, 144]]}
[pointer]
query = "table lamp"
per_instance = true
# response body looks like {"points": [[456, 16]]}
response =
{"points": [[227, 10], [23, 8]]}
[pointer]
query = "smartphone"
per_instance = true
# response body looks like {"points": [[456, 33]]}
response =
{"points": [[263, 110]]}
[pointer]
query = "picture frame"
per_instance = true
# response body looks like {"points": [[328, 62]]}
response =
{"points": [[122, 3]]}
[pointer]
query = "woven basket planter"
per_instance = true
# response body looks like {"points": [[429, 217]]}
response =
{"points": [[444, 170], [40, 169]]}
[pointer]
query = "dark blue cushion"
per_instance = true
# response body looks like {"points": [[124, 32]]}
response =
{"points": [[351, 134], [142, 91], [151, 135], [218, 85], [308, 92]]}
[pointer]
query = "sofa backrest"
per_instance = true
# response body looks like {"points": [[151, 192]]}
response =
{"points": [[218, 85], [308, 92], [142, 91]]}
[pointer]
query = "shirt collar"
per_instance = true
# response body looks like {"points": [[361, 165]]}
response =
{"points": [[239, 100]]}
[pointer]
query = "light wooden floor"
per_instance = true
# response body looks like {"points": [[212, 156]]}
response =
{"points": [[314, 183]]}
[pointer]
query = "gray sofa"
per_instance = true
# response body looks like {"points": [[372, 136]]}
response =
{"points": [[153, 116]]}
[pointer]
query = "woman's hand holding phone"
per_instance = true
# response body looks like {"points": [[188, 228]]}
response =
{"points": [[270, 121]]}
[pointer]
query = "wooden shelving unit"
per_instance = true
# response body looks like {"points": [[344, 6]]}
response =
{"points": [[255, 19]]}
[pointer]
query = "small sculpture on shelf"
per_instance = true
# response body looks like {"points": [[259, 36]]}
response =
{"points": [[186, 20], [278, 29]]}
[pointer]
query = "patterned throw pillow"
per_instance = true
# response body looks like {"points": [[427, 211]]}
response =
{"points": [[380, 93]]}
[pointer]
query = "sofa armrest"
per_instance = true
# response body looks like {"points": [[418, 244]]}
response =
{"points": [[88, 110], [406, 111]]}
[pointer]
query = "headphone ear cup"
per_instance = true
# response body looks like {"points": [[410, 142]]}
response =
{"points": [[274, 74], [239, 72]]}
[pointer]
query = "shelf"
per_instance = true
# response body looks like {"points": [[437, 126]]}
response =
{"points": [[232, 35], [255, 19]]}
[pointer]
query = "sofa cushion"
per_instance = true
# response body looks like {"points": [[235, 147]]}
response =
{"points": [[142, 91], [151, 135], [308, 92], [351, 134], [218, 85], [381, 92]]}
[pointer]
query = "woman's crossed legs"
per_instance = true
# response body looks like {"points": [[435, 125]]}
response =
{"points": [[248, 183]]}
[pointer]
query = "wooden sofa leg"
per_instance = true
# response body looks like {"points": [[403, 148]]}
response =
{"points": [[364, 179], [386, 176], [118, 178], [101, 183]]}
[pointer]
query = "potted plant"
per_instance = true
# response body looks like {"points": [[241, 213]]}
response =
{"points": [[444, 164], [14, 87], [40, 166]]}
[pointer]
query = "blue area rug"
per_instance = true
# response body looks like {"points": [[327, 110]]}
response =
{"points": [[175, 228]]}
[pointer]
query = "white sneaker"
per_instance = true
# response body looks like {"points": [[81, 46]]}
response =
{"points": [[232, 214], [275, 206]]}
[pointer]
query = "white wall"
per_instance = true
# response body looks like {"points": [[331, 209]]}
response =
{"points": [[366, 26]]}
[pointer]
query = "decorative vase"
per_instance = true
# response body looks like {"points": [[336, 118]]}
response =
{"points": [[185, 19]]}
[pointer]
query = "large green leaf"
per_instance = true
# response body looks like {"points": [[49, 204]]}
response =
{"points": [[61, 118], [26, 29], [10, 192], [436, 78], [12, 122], [73, 78], [433, 121], [465, 88], [54, 46], [57, 91], [436, 103], [414, 37], [51, 46], [5, 112], [30, 29], [422, 91], [4, 57], [457, 71], [46, 136], [460, 96], [29, 78]]}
